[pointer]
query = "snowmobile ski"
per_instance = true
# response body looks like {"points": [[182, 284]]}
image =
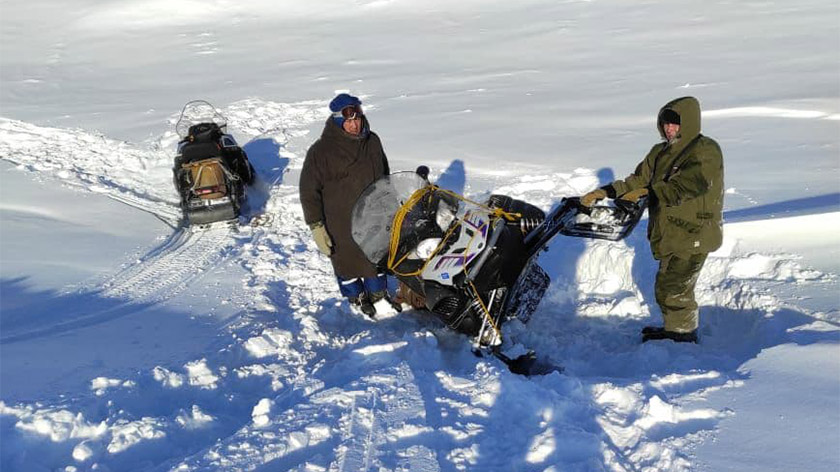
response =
{"points": [[527, 364]]}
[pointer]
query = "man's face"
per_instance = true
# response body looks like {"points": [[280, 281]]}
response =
{"points": [[671, 131], [353, 126]]}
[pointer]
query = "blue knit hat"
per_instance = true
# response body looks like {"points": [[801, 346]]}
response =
{"points": [[340, 102]]}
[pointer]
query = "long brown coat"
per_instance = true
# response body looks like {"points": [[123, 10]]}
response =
{"points": [[338, 167]]}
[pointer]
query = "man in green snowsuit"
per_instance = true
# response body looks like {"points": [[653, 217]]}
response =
{"points": [[683, 180]]}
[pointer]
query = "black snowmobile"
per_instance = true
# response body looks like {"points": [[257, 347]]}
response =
{"points": [[473, 264], [211, 170]]}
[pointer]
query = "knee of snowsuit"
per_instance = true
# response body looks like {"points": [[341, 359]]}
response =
{"points": [[352, 288], [675, 282]]}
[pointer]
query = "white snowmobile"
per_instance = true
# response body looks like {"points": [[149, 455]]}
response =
{"points": [[473, 264], [211, 170]]}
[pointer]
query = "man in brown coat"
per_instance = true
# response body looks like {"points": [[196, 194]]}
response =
{"points": [[338, 167], [683, 178]]}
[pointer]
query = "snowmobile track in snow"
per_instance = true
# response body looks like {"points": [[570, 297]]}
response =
{"points": [[159, 275], [168, 214], [170, 268]]}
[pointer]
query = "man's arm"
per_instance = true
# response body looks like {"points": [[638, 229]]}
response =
{"points": [[311, 190], [640, 178], [385, 165], [694, 177]]}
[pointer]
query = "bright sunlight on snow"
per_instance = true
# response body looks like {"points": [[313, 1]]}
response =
{"points": [[128, 342]]}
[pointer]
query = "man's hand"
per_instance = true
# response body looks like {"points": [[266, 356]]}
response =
{"points": [[322, 238], [635, 195], [590, 198]]}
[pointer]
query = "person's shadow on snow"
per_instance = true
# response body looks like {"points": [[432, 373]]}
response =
{"points": [[563, 257], [454, 178], [517, 433], [269, 168]]}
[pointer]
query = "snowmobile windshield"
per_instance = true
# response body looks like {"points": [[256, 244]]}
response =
{"points": [[374, 212], [195, 112]]}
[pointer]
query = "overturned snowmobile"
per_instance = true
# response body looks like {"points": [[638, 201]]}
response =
{"points": [[211, 170], [473, 264]]}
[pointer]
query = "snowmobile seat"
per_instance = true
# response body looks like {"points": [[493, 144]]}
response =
{"points": [[205, 133], [207, 178], [193, 152]]}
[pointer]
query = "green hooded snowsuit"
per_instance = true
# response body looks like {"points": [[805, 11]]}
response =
{"points": [[685, 181]]}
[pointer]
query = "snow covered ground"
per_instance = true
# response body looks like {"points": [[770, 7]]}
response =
{"points": [[129, 344]]}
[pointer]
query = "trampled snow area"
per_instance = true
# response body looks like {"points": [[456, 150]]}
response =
{"points": [[128, 343]]}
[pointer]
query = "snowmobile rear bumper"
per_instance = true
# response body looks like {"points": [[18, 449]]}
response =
{"points": [[204, 214]]}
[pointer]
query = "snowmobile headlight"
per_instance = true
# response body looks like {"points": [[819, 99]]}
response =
{"points": [[425, 249], [444, 216]]}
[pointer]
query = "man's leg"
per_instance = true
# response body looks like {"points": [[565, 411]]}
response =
{"points": [[675, 282], [376, 287], [351, 288], [354, 290]]}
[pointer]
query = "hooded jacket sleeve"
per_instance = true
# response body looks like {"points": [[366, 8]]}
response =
{"points": [[386, 168], [640, 178], [311, 189], [694, 177]]}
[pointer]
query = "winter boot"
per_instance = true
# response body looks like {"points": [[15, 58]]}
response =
{"points": [[363, 302], [376, 296], [382, 294], [659, 334]]}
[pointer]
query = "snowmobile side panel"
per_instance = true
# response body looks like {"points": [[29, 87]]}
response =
{"points": [[471, 241]]}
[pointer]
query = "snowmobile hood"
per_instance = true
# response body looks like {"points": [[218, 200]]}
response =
{"points": [[689, 110]]}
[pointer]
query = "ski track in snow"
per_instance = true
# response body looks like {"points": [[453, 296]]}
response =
{"points": [[141, 179], [171, 268], [298, 383]]}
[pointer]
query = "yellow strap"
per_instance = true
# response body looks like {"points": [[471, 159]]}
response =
{"points": [[428, 260], [396, 224], [495, 211], [399, 217], [396, 227]]}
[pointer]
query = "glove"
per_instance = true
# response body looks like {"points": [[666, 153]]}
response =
{"points": [[590, 198], [322, 238], [635, 195]]}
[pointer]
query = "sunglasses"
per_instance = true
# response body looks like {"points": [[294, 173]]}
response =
{"points": [[350, 113]]}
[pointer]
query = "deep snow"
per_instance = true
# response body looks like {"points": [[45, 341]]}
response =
{"points": [[127, 344]]}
